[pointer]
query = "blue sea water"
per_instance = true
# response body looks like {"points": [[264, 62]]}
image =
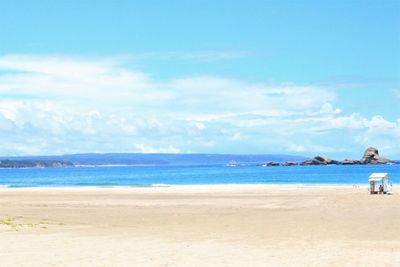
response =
{"points": [[193, 175]]}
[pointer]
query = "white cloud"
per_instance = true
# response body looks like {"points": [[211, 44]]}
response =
{"points": [[58, 104], [327, 108], [106, 82], [141, 148]]}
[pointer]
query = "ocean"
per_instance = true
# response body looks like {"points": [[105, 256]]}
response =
{"points": [[140, 176]]}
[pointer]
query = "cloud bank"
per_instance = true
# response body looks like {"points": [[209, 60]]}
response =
{"points": [[53, 104]]}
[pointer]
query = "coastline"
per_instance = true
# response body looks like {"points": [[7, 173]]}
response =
{"points": [[183, 187]]}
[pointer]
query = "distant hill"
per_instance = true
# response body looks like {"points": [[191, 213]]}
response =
{"points": [[160, 159]]}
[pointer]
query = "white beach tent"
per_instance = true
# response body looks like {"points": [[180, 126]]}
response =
{"points": [[376, 179]]}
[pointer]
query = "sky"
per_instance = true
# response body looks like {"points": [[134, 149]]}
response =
{"points": [[239, 77]]}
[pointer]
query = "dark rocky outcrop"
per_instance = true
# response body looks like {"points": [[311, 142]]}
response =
{"points": [[312, 162], [290, 163], [351, 162], [371, 156], [327, 160], [319, 160], [269, 164]]}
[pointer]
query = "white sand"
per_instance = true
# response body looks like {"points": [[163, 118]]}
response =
{"points": [[232, 225]]}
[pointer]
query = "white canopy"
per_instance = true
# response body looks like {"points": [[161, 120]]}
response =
{"points": [[377, 176]]}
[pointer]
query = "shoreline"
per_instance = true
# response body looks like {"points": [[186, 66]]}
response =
{"points": [[188, 186]]}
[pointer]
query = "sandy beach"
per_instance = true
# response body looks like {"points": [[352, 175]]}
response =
{"points": [[199, 226]]}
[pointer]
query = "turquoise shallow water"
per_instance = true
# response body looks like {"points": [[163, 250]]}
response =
{"points": [[193, 175]]}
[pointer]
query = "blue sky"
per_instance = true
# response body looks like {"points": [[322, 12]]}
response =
{"points": [[294, 77]]}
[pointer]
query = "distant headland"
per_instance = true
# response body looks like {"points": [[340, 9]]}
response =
{"points": [[139, 159], [34, 164]]}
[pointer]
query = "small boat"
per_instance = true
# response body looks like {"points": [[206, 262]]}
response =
{"points": [[232, 163]]}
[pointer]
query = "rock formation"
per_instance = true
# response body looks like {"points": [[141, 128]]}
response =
{"points": [[289, 163], [319, 160], [351, 162], [371, 156], [312, 162], [327, 160]]}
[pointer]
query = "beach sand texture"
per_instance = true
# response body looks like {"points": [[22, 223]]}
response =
{"points": [[199, 226]]}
